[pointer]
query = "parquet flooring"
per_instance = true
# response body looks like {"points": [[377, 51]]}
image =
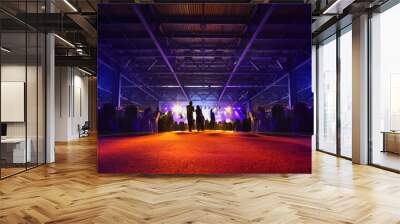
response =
{"points": [[71, 191]]}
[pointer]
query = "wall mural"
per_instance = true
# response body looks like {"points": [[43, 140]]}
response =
{"points": [[204, 88]]}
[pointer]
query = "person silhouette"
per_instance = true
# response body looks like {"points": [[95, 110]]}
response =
{"points": [[212, 119], [199, 119], [189, 115]]}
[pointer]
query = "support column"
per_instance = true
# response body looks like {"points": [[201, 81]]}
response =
{"points": [[292, 91], [360, 90], [50, 98], [50, 91], [64, 101], [249, 106], [314, 91], [92, 86]]}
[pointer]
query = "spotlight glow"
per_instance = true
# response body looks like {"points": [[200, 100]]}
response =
{"points": [[177, 109]]}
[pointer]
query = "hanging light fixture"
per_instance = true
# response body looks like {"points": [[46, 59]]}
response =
{"points": [[70, 5], [5, 50]]}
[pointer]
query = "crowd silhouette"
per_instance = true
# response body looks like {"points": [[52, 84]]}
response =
{"points": [[277, 119]]}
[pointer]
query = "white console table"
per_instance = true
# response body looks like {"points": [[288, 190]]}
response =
{"points": [[16, 147]]}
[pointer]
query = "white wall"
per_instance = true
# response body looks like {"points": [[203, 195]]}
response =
{"points": [[16, 73], [80, 112], [71, 102], [62, 83], [33, 127], [12, 73]]}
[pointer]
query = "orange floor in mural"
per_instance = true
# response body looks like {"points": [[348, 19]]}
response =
{"points": [[210, 152]]}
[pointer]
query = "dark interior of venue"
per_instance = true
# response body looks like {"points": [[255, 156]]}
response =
{"points": [[204, 67], [238, 62]]}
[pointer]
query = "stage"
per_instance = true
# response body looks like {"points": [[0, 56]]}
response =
{"points": [[209, 152]]}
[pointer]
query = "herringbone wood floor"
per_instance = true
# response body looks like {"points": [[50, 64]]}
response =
{"points": [[70, 191]]}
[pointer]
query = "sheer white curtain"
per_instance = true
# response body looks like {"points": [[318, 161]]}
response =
{"points": [[327, 96], [346, 94]]}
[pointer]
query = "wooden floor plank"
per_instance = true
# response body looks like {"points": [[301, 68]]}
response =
{"points": [[71, 191]]}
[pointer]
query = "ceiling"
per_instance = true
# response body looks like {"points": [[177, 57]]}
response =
{"points": [[205, 52]]}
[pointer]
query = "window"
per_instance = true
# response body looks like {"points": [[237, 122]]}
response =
{"points": [[385, 89], [327, 95]]}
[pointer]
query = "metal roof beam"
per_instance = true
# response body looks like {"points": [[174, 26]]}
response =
{"points": [[308, 60], [267, 15], [200, 73], [141, 88], [143, 20], [233, 20], [195, 86]]}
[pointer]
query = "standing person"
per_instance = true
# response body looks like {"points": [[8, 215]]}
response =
{"points": [[212, 119], [156, 117], [147, 120], [250, 122], [189, 115], [170, 121], [199, 119]]}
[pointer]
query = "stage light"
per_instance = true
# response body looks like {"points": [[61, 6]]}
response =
{"points": [[177, 109], [170, 86]]}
